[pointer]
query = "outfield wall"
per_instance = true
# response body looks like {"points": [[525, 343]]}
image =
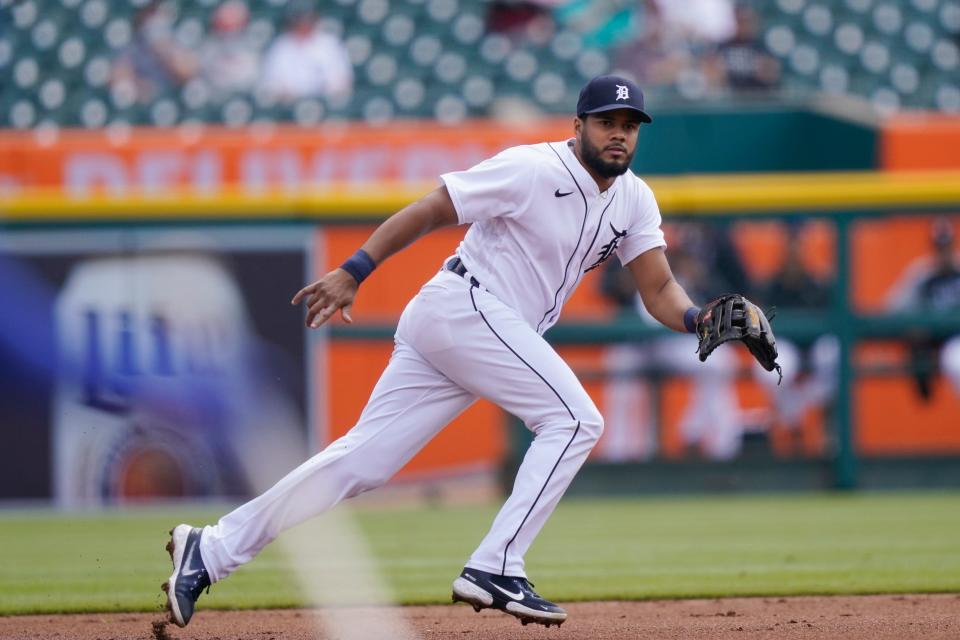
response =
{"points": [[330, 386], [235, 202]]}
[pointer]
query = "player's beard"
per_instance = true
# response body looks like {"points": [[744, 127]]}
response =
{"points": [[603, 168]]}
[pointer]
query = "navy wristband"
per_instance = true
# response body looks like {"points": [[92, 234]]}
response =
{"points": [[690, 319], [359, 265]]}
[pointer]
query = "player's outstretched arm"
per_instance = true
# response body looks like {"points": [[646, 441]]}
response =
{"points": [[432, 211], [729, 317], [336, 290], [662, 295]]}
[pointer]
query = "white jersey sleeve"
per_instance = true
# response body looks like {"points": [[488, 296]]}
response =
{"points": [[500, 186], [644, 232]]}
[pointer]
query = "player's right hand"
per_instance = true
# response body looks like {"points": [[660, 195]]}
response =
{"points": [[334, 291]]}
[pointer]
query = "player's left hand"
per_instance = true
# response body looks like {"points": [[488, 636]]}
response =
{"points": [[733, 317], [334, 291]]}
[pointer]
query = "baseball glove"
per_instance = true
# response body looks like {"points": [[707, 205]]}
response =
{"points": [[733, 317]]}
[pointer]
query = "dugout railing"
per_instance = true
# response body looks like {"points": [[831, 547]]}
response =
{"points": [[843, 198]]}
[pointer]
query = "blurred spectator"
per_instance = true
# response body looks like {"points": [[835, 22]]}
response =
{"points": [[932, 284], [794, 286], [522, 21], [715, 266], [711, 424], [601, 23], [230, 58], [306, 60], [742, 63], [702, 23], [698, 47], [153, 63], [809, 372], [654, 57]]}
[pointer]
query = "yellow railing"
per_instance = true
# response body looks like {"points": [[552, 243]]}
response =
{"points": [[693, 194]]}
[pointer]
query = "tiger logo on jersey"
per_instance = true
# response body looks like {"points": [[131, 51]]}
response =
{"points": [[607, 250]]}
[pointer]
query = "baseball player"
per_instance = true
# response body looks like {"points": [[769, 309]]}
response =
{"points": [[932, 283], [541, 217]]}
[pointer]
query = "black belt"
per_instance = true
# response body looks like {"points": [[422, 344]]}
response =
{"points": [[455, 265]]}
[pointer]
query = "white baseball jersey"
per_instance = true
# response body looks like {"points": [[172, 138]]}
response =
{"points": [[540, 223]]}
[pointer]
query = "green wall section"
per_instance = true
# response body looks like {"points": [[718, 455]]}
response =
{"points": [[754, 138]]}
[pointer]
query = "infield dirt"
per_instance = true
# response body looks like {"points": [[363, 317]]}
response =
{"points": [[931, 617]]}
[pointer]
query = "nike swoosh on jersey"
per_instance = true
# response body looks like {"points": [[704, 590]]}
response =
{"points": [[560, 195], [516, 596]]}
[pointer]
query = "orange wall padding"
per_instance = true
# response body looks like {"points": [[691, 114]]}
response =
{"points": [[475, 440], [893, 419], [890, 415], [884, 407], [761, 245], [925, 141]]}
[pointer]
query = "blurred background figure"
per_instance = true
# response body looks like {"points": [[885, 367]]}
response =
{"points": [[656, 57], [230, 57], [932, 284], [530, 21], [602, 23], [306, 60], [809, 371], [153, 63], [705, 263], [680, 47], [742, 62], [702, 23]]}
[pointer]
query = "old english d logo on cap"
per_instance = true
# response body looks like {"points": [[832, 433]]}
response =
{"points": [[606, 93]]}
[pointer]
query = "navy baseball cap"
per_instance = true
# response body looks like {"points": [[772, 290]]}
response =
{"points": [[606, 93]]}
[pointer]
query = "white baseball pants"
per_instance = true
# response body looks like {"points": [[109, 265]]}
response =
{"points": [[454, 344]]}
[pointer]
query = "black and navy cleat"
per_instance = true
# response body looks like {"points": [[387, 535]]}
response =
{"points": [[189, 577], [509, 594]]}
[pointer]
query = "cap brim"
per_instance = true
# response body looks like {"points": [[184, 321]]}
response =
{"points": [[644, 117]]}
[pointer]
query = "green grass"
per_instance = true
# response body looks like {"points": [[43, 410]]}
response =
{"points": [[596, 549]]}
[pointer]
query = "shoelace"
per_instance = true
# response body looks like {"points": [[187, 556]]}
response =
{"points": [[201, 582], [528, 586]]}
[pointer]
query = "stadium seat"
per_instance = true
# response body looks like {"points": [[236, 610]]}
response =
{"points": [[478, 92], [381, 70], [22, 113], [409, 95], [947, 97]]}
